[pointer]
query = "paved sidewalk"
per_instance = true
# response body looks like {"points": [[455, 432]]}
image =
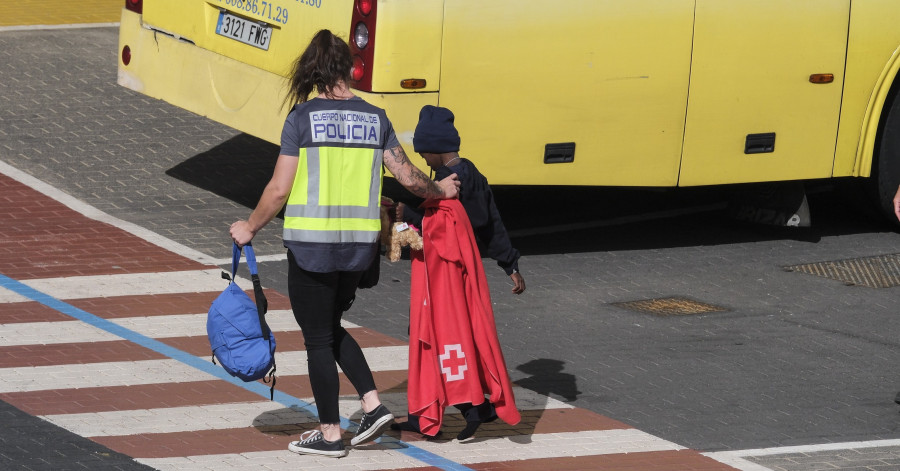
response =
{"points": [[102, 334]]}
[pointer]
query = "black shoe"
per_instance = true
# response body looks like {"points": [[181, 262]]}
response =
{"points": [[312, 442], [372, 425], [475, 416]]}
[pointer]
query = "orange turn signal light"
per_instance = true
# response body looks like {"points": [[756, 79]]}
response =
{"points": [[412, 84], [821, 78]]}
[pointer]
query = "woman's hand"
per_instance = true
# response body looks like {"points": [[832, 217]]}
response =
{"points": [[450, 187], [241, 233]]}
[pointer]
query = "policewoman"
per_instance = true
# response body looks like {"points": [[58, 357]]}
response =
{"points": [[328, 173]]}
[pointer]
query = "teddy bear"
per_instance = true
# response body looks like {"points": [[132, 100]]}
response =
{"points": [[396, 235]]}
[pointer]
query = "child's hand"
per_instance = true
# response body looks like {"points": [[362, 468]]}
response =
{"points": [[398, 211], [518, 283], [897, 204]]}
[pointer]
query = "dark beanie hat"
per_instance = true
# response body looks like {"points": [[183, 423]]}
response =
{"points": [[435, 132]]}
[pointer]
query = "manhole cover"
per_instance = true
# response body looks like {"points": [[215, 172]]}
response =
{"points": [[882, 271], [670, 306]]}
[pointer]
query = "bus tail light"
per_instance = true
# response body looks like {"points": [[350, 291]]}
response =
{"points": [[136, 6], [362, 43]]}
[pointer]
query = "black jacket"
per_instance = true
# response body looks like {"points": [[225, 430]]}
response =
{"points": [[478, 200]]}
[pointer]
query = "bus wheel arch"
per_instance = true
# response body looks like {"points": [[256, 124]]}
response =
{"points": [[885, 176]]}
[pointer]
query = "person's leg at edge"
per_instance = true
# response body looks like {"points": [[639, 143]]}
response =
{"points": [[347, 352], [312, 298], [352, 361]]}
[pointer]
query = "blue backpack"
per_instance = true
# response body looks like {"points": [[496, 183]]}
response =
{"points": [[238, 333]]}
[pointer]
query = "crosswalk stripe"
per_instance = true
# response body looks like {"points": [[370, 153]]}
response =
{"points": [[89, 375], [382, 456], [158, 327], [9, 296], [235, 415], [96, 286], [39, 378], [46, 333], [358, 460]]}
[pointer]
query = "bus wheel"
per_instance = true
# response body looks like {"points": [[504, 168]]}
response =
{"points": [[886, 165]]}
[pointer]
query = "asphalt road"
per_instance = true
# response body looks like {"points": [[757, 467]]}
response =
{"points": [[784, 358]]}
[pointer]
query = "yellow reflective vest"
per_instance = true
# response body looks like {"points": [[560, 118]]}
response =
{"points": [[331, 221]]}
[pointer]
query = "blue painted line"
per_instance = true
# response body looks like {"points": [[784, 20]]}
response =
{"points": [[208, 367]]}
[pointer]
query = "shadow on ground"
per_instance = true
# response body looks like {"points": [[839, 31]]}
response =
{"points": [[237, 169], [554, 219]]}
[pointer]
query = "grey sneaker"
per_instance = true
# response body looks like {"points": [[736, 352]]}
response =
{"points": [[372, 425], [312, 442]]}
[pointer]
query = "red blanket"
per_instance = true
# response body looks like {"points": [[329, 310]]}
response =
{"points": [[454, 352]]}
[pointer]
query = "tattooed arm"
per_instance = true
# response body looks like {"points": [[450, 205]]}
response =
{"points": [[415, 180]]}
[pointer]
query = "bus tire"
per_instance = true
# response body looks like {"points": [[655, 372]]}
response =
{"points": [[885, 178]]}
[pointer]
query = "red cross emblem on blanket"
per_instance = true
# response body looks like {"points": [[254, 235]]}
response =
{"points": [[453, 362]]}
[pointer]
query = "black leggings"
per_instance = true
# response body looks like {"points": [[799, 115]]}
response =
{"points": [[318, 301]]}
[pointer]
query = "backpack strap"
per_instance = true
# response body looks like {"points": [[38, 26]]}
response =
{"points": [[262, 304]]}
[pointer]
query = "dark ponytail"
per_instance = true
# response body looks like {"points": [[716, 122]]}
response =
{"points": [[325, 62]]}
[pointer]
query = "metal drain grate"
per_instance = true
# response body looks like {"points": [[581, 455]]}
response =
{"points": [[670, 306], [882, 271]]}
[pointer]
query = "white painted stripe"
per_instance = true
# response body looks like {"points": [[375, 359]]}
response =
{"points": [[737, 462], [382, 456], [130, 284], [125, 373], [367, 458], [47, 333], [94, 213], [157, 327], [394, 358], [736, 458], [37, 378], [7, 296], [550, 445], [237, 415], [184, 325], [180, 419]]}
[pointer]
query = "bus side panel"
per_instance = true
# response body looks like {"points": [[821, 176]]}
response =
{"points": [[293, 24], [751, 71], [609, 75], [874, 37], [222, 89], [407, 45]]}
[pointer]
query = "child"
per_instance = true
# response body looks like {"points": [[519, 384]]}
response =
{"points": [[442, 322], [437, 141]]}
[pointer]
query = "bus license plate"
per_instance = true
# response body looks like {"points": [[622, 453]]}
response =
{"points": [[245, 31]]}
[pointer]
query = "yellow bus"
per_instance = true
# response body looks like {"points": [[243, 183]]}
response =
{"points": [[651, 93]]}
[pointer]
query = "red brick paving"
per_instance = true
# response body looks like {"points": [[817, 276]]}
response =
{"points": [[285, 341], [75, 353], [164, 304], [204, 442], [42, 238], [144, 396], [30, 311], [683, 460]]}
